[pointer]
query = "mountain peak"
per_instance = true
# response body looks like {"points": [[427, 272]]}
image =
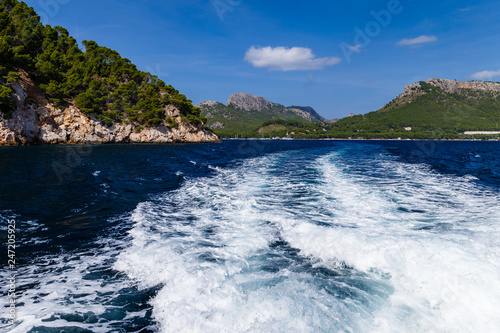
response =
{"points": [[248, 102]]}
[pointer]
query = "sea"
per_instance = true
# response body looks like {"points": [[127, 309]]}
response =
{"points": [[251, 236]]}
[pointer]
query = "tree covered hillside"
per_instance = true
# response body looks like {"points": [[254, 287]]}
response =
{"points": [[430, 112], [96, 79], [423, 111], [228, 121], [245, 113]]}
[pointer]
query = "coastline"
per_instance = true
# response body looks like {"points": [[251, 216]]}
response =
{"points": [[356, 139]]}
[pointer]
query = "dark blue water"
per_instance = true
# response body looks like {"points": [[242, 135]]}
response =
{"points": [[254, 236]]}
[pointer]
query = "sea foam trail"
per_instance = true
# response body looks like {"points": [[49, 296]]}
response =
{"points": [[223, 267], [437, 239], [320, 243]]}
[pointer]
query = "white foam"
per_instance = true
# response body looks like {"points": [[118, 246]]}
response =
{"points": [[444, 279], [419, 251], [225, 219], [56, 285]]}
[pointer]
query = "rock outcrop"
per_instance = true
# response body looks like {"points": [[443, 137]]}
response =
{"points": [[454, 86], [412, 91], [249, 102], [306, 112], [37, 121], [207, 103]]}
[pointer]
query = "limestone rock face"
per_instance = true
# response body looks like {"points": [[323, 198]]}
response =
{"points": [[37, 121], [248, 102], [455, 86], [207, 103], [412, 91], [306, 112]]}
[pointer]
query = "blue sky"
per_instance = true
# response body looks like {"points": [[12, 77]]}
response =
{"points": [[338, 57]]}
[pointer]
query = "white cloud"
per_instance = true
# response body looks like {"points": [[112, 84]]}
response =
{"points": [[485, 75], [419, 40], [287, 59]]}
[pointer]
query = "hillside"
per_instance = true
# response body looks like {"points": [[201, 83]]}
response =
{"points": [[51, 91], [243, 114], [436, 109]]}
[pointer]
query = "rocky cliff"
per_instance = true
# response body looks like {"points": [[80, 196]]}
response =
{"points": [[36, 121], [453, 86], [249, 102]]}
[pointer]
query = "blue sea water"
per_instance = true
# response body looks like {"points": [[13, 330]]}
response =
{"points": [[253, 236]]}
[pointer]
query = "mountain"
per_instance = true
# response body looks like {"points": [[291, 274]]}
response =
{"points": [[436, 109], [244, 113], [249, 102], [51, 91]]}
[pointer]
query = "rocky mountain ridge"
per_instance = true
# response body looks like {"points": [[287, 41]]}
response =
{"points": [[453, 86], [252, 105], [249, 102], [244, 113], [432, 109]]}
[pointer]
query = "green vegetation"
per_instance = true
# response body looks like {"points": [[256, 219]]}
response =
{"points": [[99, 81], [273, 128], [293, 129], [244, 123], [430, 112]]}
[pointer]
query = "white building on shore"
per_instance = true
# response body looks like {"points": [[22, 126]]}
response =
{"points": [[481, 133]]}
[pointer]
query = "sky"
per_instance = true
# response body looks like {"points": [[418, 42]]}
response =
{"points": [[338, 57]]}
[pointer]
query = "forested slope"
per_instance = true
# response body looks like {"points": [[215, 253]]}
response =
{"points": [[102, 84]]}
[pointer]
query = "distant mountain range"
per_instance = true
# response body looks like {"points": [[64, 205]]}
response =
{"points": [[244, 113], [436, 109]]}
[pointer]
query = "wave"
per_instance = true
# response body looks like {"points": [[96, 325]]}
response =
{"points": [[75, 291], [333, 239], [434, 237], [336, 243]]}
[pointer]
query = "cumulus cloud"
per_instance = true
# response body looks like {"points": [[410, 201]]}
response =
{"points": [[419, 40], [485, 75], [287, 59]]}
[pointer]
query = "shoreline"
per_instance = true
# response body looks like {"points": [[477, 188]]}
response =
{"points": [[356, 139], [228, 139]]}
